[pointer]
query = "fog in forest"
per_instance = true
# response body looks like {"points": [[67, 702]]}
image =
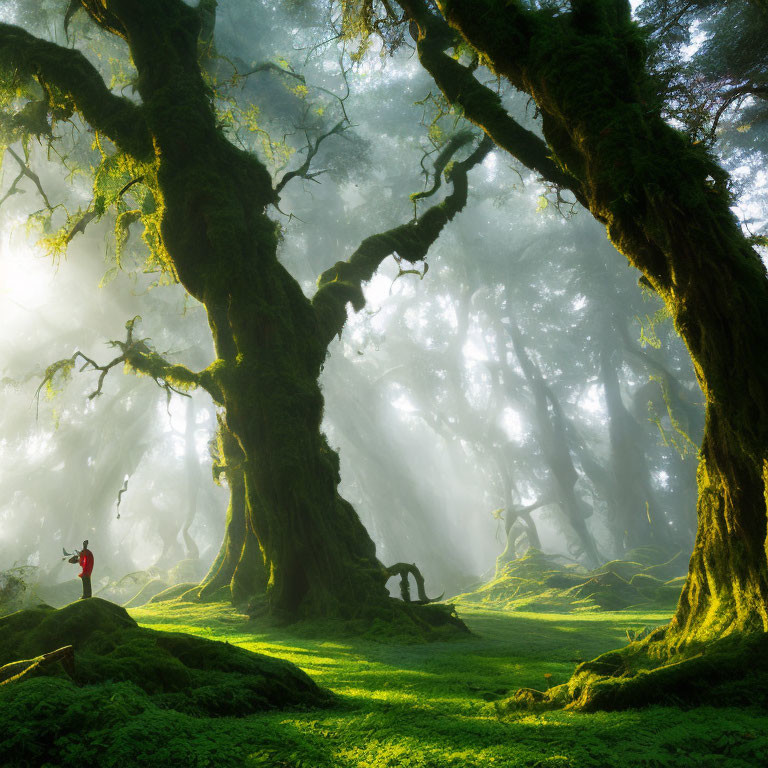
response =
{"points": [[522, 391]]}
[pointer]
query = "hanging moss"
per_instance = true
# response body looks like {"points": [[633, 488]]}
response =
{"points": [[71, 82]]}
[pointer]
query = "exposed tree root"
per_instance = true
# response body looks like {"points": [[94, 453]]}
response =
{"points": [[730, 672], [391, 621], [403, 570]]}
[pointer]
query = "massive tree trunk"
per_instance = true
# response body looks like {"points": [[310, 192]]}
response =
{"points": [[222, 245], [666, 206], [208, 222]]}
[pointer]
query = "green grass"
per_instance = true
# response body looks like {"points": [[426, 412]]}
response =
{"points": [[432, 705]]}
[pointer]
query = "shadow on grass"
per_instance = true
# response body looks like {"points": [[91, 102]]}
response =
{"points": [[427, 705]]}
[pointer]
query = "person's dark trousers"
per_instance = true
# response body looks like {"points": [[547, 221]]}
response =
{"points": [[86, 586]]}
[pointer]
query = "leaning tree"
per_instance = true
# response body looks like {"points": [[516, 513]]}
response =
{"points": [[666, 205], [204, 207]]}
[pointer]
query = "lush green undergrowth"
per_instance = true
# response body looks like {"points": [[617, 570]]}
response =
{"points": [[53, 710], [416, 706], [647, 579]]}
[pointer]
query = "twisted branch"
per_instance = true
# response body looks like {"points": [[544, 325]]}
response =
{"points": [[478, 103], [343, 282], [16, 670], [303, 171], [71, 83], [742, 91], [137, 355], [25, 171], [403, 570]]}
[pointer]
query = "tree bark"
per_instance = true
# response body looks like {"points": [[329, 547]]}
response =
{"points": [[211, 230], [666, 206], [232, 557]]}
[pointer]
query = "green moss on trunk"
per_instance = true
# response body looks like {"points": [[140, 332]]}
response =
{"points": [[232, 548], [666, 207]]}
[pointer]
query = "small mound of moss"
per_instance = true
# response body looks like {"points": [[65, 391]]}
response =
{"points": [[181, 672], [545, 583]]}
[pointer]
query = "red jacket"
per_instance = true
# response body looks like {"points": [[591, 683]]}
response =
{"points": [[86, 562]]}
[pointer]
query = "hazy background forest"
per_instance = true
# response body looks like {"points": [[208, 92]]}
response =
{"points": [[193, 198], [465, 401]]}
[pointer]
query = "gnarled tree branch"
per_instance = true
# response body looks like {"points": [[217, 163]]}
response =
{"points": [[734, 94], [137, 355], [403, 570], [479, 104], [303, 171], [79, 85], [16, 670], [25, 171], [343, 282]]}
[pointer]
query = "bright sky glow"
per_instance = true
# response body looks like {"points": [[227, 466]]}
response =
{"points": [[404, 403], [473, 349], [175, 419], [512, 424], [25, 280], [579, 303], [593, 400], [697, 38], [378, 290]]}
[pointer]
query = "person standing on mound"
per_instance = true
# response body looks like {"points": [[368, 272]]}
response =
{"points": [[85, 559]]}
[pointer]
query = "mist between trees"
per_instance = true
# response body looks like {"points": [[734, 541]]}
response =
{"points": [[515, 388]]}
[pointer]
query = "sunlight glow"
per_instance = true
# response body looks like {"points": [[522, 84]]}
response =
{"points": [[473, 351], [404, 403], [25, 280], [512, 424], [377, 291], [593, 399]]}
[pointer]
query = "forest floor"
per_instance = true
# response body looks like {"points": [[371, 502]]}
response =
{"points": [[437, 705]]}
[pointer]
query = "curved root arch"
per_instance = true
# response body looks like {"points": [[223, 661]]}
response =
{"points": [[403, 570]]}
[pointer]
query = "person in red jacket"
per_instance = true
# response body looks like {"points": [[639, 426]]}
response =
{"points": [[85, 559]]}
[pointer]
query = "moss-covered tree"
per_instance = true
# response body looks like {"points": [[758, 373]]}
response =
{"points": [[239, 564], [204, 209], [665, 204]]}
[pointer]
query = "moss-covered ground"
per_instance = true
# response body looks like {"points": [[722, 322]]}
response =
{"points": [[647, 580], [410, 705]]}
